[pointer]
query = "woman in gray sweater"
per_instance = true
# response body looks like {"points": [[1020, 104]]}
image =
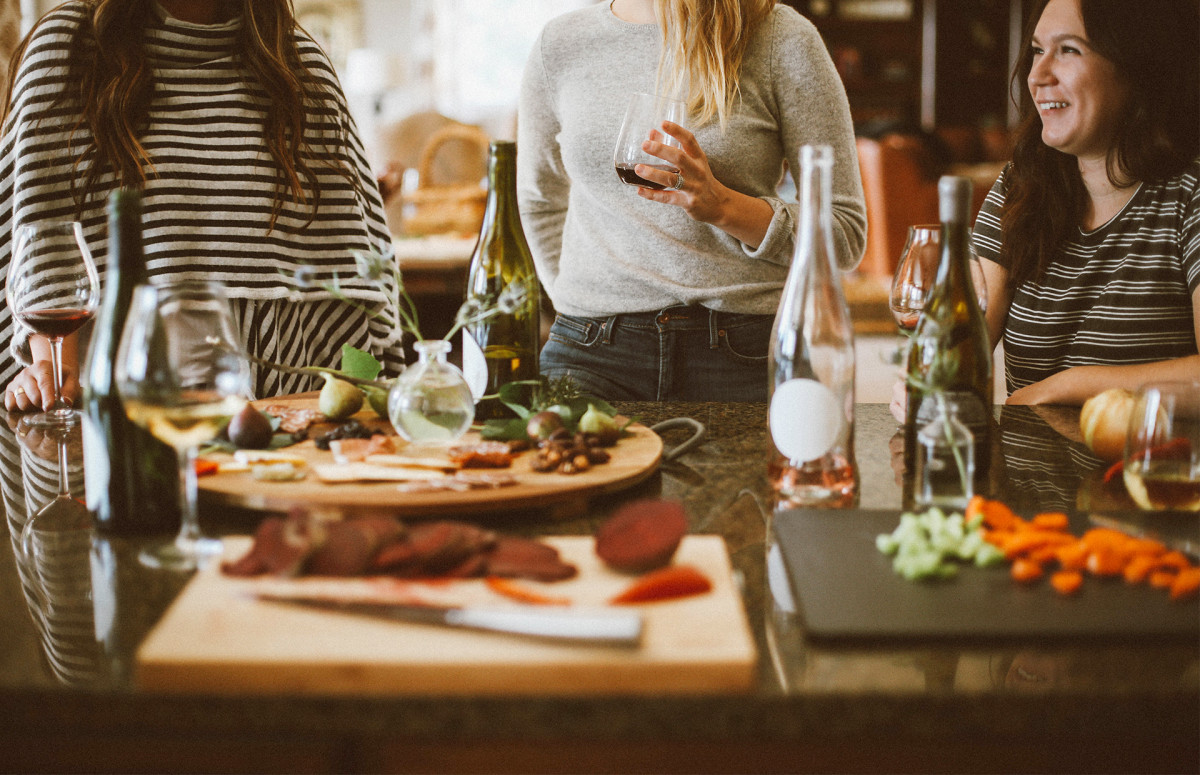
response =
{"points": [[670, 295]]}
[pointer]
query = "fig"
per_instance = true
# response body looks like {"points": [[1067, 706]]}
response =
{"points": [[543, 424], [250, 429], [339, 399], [377, 399]]}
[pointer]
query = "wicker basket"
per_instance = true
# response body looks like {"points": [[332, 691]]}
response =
{"points": [[450, 208]]}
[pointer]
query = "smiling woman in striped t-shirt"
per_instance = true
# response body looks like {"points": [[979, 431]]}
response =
{"points": [[232, 123], [1090, 239]]}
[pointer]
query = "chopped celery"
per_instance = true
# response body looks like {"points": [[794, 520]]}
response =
{"points": [[928, 545]]}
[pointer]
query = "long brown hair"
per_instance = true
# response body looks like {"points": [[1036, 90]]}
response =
{"points": [[704, 42], [1152, 44], [112, 87]]}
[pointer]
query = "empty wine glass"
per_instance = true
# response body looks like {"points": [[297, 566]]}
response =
{"points": [[53, 289], [643, 121], [182, 374], [914, 279]]}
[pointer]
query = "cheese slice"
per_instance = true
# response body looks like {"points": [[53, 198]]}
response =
{"points": [[253, 457], [405, 461], [366, 472]]}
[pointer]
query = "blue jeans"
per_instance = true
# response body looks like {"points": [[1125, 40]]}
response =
{"points": [[676, 354]]}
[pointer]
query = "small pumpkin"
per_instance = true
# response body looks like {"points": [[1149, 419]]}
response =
{"points": [[1104, 420]]}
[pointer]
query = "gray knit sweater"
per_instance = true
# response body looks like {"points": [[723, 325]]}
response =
{"points": [[600, 249]]}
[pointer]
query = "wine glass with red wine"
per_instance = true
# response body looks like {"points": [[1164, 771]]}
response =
{"points": [[643, 121], [53, 289]]}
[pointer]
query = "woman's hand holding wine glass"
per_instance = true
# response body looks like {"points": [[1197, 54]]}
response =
{"points": [[53, 290], [182, 374]]}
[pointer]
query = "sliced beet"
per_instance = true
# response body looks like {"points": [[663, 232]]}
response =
{"points": [[642, 535]]}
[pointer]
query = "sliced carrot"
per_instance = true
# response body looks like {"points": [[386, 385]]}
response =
{"points": [[1174, 559], [1050, 520], [1026, 571], [512, 589], [975, 507], [1138, 568], [1186, 584], [998, 516], [1163, 579], [1066, 582], [664, 584], [1028, 540], [1105, 561], [206, 467], [1072, 556]]}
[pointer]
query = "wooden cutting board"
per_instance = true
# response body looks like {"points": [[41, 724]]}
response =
{"points": [[216, 638], [634, 458]]}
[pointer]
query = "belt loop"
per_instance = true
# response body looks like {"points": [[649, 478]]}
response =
{"points": [[714, 331], [606, 329]]}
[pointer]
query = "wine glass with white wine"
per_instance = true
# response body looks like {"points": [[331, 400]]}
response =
{"points": [[182, 374]]}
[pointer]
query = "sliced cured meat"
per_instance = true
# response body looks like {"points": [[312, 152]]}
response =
{"points": [[294, 419], [281, 547], [485, 454], [529, 559]]}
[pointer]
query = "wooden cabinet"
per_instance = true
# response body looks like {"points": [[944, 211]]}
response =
{"points": [[932, 63]]}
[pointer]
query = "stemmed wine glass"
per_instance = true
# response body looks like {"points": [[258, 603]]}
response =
{"points": [[1162, 446], [182, 374], [53, 289], [643, 121], [914, 279]]}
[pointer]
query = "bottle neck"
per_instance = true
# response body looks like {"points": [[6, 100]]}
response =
{"points": [[502, 182], [814, 230]]}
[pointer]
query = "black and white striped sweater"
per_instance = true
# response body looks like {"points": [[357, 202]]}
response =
{"points": [[1121, 294], [210, 193]]}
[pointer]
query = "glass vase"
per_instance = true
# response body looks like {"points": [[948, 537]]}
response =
{"points": [[431, 401], [945, 460]]}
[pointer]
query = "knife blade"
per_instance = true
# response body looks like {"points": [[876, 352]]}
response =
{"points": [[615, 628]]}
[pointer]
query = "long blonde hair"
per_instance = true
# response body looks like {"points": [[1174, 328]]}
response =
{"points": [[704, 42]]}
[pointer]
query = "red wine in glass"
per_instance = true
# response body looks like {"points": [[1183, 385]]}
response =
{"points": [[625, 171], [56, 322]]}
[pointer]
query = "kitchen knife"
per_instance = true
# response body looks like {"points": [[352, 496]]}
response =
{"points": [[616, 628]]}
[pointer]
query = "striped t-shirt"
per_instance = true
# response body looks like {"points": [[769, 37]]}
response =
{"points": [[1121, 294], [210, 192]]}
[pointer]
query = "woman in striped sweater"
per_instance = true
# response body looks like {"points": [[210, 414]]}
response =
{"points": [[231, 121], [1091, 238]]}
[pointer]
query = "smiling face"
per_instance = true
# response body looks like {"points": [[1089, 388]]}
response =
{"points": [[1079, 94]]}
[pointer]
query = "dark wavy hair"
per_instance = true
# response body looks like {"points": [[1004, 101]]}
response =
{"points": [[1152, 44], [114, 88]]}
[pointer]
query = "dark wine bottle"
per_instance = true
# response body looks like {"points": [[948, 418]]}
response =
{"points": [[131, 477], [503, 347], [950, 351]]}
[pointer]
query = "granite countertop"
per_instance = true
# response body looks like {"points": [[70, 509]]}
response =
{"points": [[70, 701]]}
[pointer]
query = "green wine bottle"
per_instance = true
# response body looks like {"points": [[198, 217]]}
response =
{"points": [[950, 351], [131, 478], [503, 347]]}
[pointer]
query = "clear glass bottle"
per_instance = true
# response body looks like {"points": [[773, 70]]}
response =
{"points": [[430, 401], [811, 363], [503, 347], [945, 461]]}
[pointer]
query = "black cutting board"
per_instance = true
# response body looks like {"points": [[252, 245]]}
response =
{"points": [[845, 589]]}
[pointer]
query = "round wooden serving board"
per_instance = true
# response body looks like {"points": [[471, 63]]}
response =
{"points": [[634, 458]]}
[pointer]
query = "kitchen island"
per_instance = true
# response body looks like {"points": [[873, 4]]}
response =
{"points": [[71, 622]]}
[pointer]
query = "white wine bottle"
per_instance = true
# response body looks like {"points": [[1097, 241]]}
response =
{"points": [[950, 352], [131, 477], [811, 364], [503, 347]]}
